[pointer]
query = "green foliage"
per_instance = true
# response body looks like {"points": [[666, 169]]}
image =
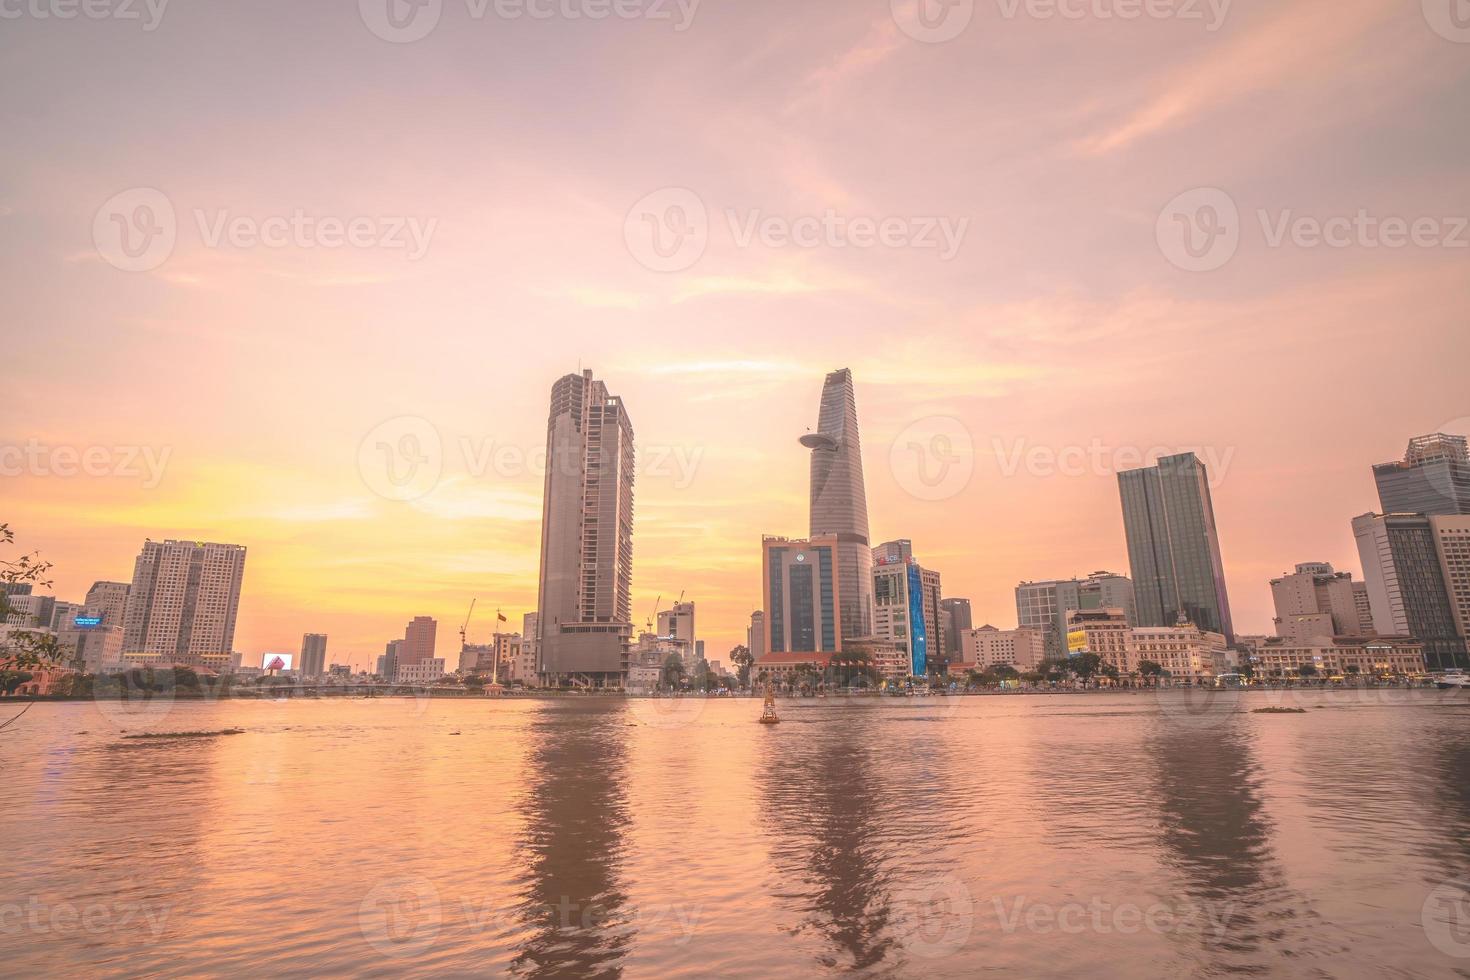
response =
{"points": [[12, 679], [24, 648]]}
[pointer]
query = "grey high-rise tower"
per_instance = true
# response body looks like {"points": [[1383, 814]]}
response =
{"points": [[1433, 477], [585, 610], [1173, 546], [839, 502]]}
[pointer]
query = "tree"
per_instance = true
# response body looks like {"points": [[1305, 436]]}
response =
{"points": [[1005, 672], [1152, 669], [1307, 670], [674, 672], [1084, 665], [742, 658], [23, 648], [12, 679]]}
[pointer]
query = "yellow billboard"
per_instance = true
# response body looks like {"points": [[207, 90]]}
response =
{"points": [[1076, 641]]}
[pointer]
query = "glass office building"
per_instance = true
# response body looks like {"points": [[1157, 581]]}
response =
{"points": [[1173, 545]]}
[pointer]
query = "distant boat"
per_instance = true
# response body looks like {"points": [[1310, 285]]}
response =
{"points": [[1451, 679]]}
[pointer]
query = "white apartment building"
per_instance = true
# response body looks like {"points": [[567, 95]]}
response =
{"points": [[985, 647], [423, 672], [183, 602]]}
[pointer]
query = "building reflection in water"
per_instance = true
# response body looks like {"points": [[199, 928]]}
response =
{"points": [[1214, 833], [576, 813], [821, 798]]}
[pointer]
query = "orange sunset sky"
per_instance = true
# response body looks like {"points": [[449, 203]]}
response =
{"points": [[1060, 325]]}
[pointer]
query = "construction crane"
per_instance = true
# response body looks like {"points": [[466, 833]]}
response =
{"points": [[465, 628], [655, 611]]}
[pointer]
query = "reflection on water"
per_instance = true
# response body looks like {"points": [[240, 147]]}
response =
{"points": [[1116, 835], [575, 818], [821, 810]]}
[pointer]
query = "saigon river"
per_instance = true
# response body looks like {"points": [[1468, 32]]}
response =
{"points": [[1128, 834]]}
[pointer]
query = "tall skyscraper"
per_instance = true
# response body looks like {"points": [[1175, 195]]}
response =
{"points": [[954, 613], [839, 502], [529, 652], [1173, 545], [755, 635], [1433, 477], [183, 602], [586, 606], [803, 595], [1406, 585], [906, 609], [419, 639], [1452, 541], [313, 662]]}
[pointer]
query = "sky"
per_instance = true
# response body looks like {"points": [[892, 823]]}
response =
{"points": [[246, 247]]}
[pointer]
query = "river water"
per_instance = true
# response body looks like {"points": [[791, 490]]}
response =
{"points": [[1118, 835]]}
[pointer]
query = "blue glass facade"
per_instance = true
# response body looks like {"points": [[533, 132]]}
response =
{"points": [[918, 631]]}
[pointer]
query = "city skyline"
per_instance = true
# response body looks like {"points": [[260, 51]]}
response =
{"points": [[724, 633]]}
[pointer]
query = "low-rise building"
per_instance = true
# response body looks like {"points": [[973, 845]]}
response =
{"points": [[1369, 656], [986, 647], [1185, 651], [1105, 633], [424, 672]]}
